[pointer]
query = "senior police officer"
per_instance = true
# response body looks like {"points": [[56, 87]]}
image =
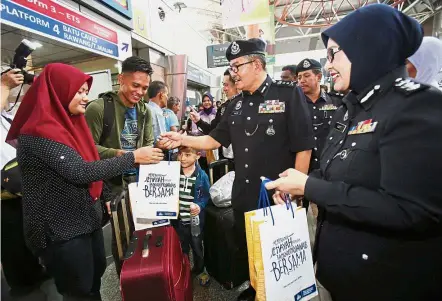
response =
{"points": [[321, 106], [268, 126], [380, 234]]}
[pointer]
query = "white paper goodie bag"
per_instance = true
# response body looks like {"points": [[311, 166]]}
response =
{"points": [[141, 222], [287, 256], [158, 188]]}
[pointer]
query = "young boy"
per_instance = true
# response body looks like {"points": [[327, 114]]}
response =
{"points": [[194, 195]]}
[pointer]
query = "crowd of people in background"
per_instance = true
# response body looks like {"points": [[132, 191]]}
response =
{"points": [[363, 158]]}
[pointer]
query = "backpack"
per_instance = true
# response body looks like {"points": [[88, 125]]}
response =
{"points": [[108, 116]]}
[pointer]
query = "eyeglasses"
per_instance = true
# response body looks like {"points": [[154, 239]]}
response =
{"points": [[331, 53], [235, 69]]}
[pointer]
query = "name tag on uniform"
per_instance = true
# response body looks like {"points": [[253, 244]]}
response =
{"points": [[271, 106], [328, 107], [340, 127], [366, 126]]}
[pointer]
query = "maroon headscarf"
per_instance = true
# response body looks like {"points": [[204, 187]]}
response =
{"points": [[44, 113]]}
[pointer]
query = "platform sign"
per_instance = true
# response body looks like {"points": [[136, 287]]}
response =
{"points": [[56, 21]]}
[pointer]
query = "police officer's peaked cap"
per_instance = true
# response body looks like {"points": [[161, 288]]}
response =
{"points": [[245, 47], [308, 64]]}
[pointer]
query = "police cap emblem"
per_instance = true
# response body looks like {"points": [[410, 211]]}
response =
{"points": [[245, 47], [235, 48]]}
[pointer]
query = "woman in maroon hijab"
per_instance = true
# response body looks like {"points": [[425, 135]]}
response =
{"points": [[62, 180]]}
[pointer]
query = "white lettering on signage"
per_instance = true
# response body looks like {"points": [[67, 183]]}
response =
{"points": [[25, 16], [39, 3]]}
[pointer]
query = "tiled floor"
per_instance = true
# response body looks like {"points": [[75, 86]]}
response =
{"points": [[110, 291], [110, 284], [215, 292], [110, 288]]}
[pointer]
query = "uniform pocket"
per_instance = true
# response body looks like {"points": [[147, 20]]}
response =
{"points": [[362, 157]]}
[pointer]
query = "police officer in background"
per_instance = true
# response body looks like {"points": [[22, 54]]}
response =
{"points": [[321, 107], [379, 185], [288, 73], [268, 126]]}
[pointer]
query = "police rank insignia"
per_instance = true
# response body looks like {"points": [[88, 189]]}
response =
{"points": [[366, 126], [271, 106], [328, 107], [238, 105], [408, 86], [270, 130]]}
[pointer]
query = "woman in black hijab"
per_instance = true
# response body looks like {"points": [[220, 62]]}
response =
{"points": [[379, 187]]}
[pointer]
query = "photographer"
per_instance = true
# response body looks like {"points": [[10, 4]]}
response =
{"points": [[21, 268]]}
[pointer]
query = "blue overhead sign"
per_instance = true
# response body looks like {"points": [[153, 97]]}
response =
{"points": [[31, 20]]}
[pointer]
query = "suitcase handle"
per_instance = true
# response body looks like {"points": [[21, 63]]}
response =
{"points": [[145, 252], [114, 210], [221, 162], [117, 200]]}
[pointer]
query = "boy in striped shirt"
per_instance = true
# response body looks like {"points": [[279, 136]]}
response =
{"points": [[194, 195]]}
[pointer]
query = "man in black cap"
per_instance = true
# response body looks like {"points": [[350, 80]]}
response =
{"points": [[268, 126], [321, 106], [289, 73]]}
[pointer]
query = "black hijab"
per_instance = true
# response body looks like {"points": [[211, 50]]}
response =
{"points": [[376, 39]]}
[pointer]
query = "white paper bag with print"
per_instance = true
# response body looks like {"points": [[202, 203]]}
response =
{"points": [[158, 189], [287, 256], [140, 222]]}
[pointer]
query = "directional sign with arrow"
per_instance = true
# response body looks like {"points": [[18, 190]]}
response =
{"points": [[125, 47]]}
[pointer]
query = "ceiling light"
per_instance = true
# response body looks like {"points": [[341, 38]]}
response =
{"points": [[179, 5], [161, 13]]}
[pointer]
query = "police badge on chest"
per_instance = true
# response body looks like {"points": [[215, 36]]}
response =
{"points": [[270, 131], [238, 107]]}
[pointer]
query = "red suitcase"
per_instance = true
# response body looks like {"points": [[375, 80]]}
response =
{"points": [[154, 267]]}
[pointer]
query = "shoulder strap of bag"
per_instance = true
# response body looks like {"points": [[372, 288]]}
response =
{"points": [[108, 117]]}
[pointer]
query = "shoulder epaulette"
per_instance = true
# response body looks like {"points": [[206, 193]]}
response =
{"points": [[336, 94], [281, 83], [408, 86], [234, 97]]}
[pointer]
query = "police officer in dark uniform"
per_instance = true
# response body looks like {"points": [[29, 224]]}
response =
{"points": [[268, 126], [321, 107], [379, 184], [288, 73]]}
